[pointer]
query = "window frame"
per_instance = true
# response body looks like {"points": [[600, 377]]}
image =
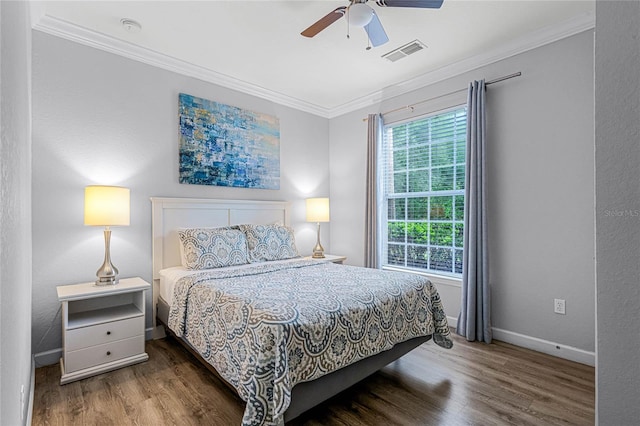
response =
{"points": [[442, 277]]}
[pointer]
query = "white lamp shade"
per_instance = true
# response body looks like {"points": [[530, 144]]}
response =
{"points": [[317, 210], [360, 15], [106, 206]]}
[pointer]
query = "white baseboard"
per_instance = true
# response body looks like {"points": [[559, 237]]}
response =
{"points": [[47, 357], [32, 392], [149, 333], [538, 345], [545, 346], [452, 321]]}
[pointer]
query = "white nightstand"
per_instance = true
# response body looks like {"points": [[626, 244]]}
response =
{"points": [[330, 258], [102, 327]]}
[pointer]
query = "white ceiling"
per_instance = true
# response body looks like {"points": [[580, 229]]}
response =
{"points": [[256, 46]]}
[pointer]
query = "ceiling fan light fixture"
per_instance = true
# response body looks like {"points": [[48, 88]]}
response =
{"points": [[359, 14]]}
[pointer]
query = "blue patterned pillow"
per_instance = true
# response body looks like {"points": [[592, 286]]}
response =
{"points": [[207, 248], [270, 242]]}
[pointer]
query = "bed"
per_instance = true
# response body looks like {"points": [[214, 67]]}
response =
{"points": [[284, 332]]}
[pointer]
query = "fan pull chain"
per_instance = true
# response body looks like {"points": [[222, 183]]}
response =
{"points": [[348, 26]]}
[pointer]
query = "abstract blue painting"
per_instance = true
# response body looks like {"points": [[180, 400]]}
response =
{"points": [[224, 145]]}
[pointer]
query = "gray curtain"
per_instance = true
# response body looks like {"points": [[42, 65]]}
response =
{"points": [[474, 319], [371, 234]]}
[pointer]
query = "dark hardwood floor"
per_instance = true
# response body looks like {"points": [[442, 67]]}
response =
{"points": [[471, 384]]}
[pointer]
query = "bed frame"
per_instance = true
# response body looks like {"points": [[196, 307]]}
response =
{"points": [[170, 214]]}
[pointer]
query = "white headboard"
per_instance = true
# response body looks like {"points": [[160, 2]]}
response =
{"points": [[169, 214]]}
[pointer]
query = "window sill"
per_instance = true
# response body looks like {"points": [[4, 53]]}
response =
{"points": [[435, 279]]}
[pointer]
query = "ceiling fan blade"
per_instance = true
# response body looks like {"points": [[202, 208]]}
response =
{"points": [[324, 22], [424, 4], [375, 32]]}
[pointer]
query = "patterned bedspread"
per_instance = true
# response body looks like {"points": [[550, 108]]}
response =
{"points": [[270, 326]]}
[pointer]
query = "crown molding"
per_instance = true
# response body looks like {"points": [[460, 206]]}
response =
{"points": [[511, 48], [66, 30], [72, 32]]}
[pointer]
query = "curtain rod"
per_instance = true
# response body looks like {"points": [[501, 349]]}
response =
{"points": [[495, 80]]}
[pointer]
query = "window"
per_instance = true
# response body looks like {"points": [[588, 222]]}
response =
{"points": [[423, 175]]}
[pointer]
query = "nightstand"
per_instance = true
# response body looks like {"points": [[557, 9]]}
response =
{"points": [[102, 327], [330, 258]]}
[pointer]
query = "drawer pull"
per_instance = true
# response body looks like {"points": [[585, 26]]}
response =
{"points": [[108, 333], [108, 353]]}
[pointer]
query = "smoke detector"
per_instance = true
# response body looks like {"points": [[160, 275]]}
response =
{"points": [[130, 25]]}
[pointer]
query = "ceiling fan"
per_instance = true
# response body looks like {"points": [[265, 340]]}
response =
{"points": [[360, 15]]}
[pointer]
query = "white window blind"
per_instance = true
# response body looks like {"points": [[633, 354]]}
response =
{"points": [[423, 176]]}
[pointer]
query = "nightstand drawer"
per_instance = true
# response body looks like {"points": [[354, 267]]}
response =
{"points": [[101, 354], [85, 337]]}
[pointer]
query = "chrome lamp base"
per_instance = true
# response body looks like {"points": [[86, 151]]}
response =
{"points": [[107, 274], [318, 250], [107, 281]]}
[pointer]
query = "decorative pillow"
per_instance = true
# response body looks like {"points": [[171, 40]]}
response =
{"points": [[270, 242], [207, 248]]}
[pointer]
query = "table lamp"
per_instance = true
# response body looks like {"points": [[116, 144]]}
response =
{"points": [[318, 211], [106, 206]]}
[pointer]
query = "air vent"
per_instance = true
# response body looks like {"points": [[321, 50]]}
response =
{"points": [[404, 51]]}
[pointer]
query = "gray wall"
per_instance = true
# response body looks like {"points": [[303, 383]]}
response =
{"points": [[109, 107], [99, 118], [15, 213], [617, 149], [540, 147]]}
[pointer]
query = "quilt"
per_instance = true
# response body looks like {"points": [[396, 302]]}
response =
{"points": [[269, 326]]}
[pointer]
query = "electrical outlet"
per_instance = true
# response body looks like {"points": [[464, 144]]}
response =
{"points": [[558, 306]]}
